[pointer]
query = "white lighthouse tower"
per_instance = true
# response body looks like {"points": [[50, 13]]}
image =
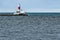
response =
{"points": [[19, 9]]}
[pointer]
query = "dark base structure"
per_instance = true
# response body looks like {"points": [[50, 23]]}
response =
{"points": [[13, 14]]}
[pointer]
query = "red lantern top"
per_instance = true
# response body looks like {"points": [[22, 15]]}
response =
{"points": [[19, 7]]}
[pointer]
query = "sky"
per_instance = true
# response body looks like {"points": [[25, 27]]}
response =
{"points": [[29, 4]]}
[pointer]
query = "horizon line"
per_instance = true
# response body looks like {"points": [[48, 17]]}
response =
{"points": [[31, 10]]}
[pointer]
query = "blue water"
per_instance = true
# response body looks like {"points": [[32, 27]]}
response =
{"points": [[30, 27], [42, 14]]}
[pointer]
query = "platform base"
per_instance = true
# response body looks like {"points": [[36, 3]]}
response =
{"points": [[13, 14]]}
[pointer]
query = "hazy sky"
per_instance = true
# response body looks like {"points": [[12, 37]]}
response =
{"points": [[30, 4]]}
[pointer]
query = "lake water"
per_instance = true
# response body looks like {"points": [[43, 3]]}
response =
{"points": [[43, 27]]}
